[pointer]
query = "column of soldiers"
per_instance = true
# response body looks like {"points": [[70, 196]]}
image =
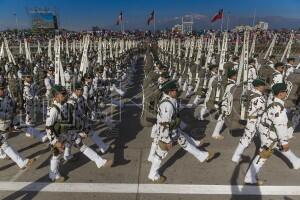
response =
{"points": [[269, 83], [29, 92]]}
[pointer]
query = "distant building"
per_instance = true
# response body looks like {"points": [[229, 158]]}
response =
{"points": [[262, 26], [177, 28], [242, 28]]}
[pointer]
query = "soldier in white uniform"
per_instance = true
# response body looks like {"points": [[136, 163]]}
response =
{"points": [[49, 82], [278, 73], [275, 133], [60, 129], [252, 73], [290, 66], [29, 96], [271, 62], [169, 133], [81, 118], [226, 105], [68, 73], [257, 104], [6, 116], [211, 84], [88, 95]]}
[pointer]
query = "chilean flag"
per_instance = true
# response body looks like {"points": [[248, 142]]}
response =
{"points": [[151, 18], [120, 18], [218, 16]]}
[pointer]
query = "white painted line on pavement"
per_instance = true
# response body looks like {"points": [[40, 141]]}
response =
{"points": [[149, 188]]}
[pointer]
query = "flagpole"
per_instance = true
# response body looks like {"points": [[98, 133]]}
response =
{"points": [[254, 16], [222, 25], [227, 25], [154, 23]]}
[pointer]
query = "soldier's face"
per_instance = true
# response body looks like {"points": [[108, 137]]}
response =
{"points": [[79, 92], [282, 95], [261, 88], [280, 68], [2, 93], [61, 97], [173, 93]]}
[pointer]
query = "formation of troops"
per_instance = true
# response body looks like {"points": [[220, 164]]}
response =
{"points": [[66, 81]]}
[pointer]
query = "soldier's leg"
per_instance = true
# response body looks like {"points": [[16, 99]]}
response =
{"points": [[197, 100], [91, 154], [154, 134], [296, 118], [29, 108], [245, 140], [2, 154], [54, 174], [3, 138], [189, 91], [256, 165], [218, 127], [30, 131], [184, 142], [67, 153], [203, 111], [292, 158], [15, 156], [156, 162], [98, 141]]}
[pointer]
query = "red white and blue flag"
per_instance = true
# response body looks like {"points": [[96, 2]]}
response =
{"points": [[151, 18], [120, 18], [218, 16]]}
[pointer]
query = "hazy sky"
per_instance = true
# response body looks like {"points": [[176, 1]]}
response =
{"points": [[81, 14]]}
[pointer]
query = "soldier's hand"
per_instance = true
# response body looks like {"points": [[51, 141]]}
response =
{"points": [[285, 147], [169, 146], [59, 146]]}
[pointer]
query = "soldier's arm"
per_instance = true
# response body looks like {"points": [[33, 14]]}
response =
{"points": [[50, 121], [27, 94], [48, 84], [280, 121]]}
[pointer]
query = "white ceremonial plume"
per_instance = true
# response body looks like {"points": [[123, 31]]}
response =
{"points": [[59, 72], [49, 50], [270, 49], [84, 58], [27, 51]]}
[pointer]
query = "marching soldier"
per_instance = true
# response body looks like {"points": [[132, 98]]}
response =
{"points": [[6, 115], [81, 118], [49, 82], [256, 108], [29, 96], [278, 73], [290, 66], [252, 73], [226, 105], [60, 130], [212, 83], [275, 133], [169, 133]]}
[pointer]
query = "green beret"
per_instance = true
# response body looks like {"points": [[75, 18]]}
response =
{"points": [[279, 87], [279, 64], [165, 75], [169, 85], [231, 72], [77, 86], [57, 89], [258, 82], [211, 67]]}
